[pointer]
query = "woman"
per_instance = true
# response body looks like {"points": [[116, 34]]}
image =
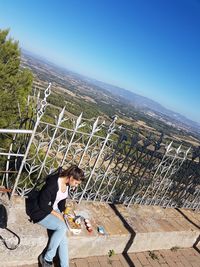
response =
{"points": [[51, 204]]}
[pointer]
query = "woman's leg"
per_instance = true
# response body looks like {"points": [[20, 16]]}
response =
{"points": [[63, 252], [53, 223]]}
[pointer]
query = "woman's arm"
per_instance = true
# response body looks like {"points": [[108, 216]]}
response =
{"points": [[44, 203], [61, 205], [58, 215]]}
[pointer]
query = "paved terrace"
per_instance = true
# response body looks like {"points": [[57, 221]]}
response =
{"points": [[162, 258]]}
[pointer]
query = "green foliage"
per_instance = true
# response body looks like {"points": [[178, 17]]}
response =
{"points": [[15, 83], [153, 255], [111, 253], [174, 249], [89, 110], [56, 100]]}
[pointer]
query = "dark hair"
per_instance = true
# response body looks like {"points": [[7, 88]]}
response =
{"points": [[73, 171]]}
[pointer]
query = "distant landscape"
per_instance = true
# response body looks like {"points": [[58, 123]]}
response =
{"points": [[95, 98]]}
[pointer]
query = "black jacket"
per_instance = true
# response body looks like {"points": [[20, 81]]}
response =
{"points": [[43, 204]]}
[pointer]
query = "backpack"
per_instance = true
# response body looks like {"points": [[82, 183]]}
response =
{"points": [[3, 225], [31, 201], [3, 216]]}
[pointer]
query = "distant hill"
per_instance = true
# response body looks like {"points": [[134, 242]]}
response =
{"points": [[85, 84], [145, 104]]}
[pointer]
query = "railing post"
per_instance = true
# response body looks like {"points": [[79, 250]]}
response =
{"points": [[77, 126], [167, 189], [160, 165], [110, 131], [40, 112], [166, 173], [51, 141], [95, 129]]}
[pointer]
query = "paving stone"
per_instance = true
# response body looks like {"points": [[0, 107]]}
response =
{"points": [[94, 264], [81, 263], [103, 258], [142, 258], [195, 264], [92, 259], [179, 264], [161, 258], [173, 257], [154, 263], [192, 258], [123, 260], [115, 257], [116, 264], [196, 253], [137, 263], [133, 256], [187, 252], [171, 263], [104, 264], [166, 225], [104, 261], [184, 261]]}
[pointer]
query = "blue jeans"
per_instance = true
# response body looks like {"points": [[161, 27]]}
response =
{"points": [[58, 239]]}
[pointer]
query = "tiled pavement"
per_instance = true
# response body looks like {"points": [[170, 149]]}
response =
{"points": [[162, 258]]}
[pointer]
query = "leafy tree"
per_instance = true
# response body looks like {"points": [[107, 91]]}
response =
{"points": [[15, 82]]}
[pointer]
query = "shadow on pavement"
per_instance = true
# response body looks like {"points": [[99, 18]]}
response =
{"points": [[130, 230], [193, 223]]}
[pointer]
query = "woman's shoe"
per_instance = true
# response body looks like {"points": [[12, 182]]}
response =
{"points": [[44, 263]]}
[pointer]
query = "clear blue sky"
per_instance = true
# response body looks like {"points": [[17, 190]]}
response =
{"points": [[150, 47]]}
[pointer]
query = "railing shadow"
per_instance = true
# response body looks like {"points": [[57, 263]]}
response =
{"points": [[193, 223], [130, 230]]}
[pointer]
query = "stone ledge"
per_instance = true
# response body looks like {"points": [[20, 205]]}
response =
{"points": [[152, 228], [158, 228]]}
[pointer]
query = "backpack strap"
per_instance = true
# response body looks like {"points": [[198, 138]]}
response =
{"points": [[3, 224], [5, 243]]}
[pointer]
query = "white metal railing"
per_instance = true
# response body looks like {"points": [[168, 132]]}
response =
{"points": [[118, 168]]}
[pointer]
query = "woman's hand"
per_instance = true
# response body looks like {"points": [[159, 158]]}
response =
{"points": [[58, 215], [61, 217]]}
